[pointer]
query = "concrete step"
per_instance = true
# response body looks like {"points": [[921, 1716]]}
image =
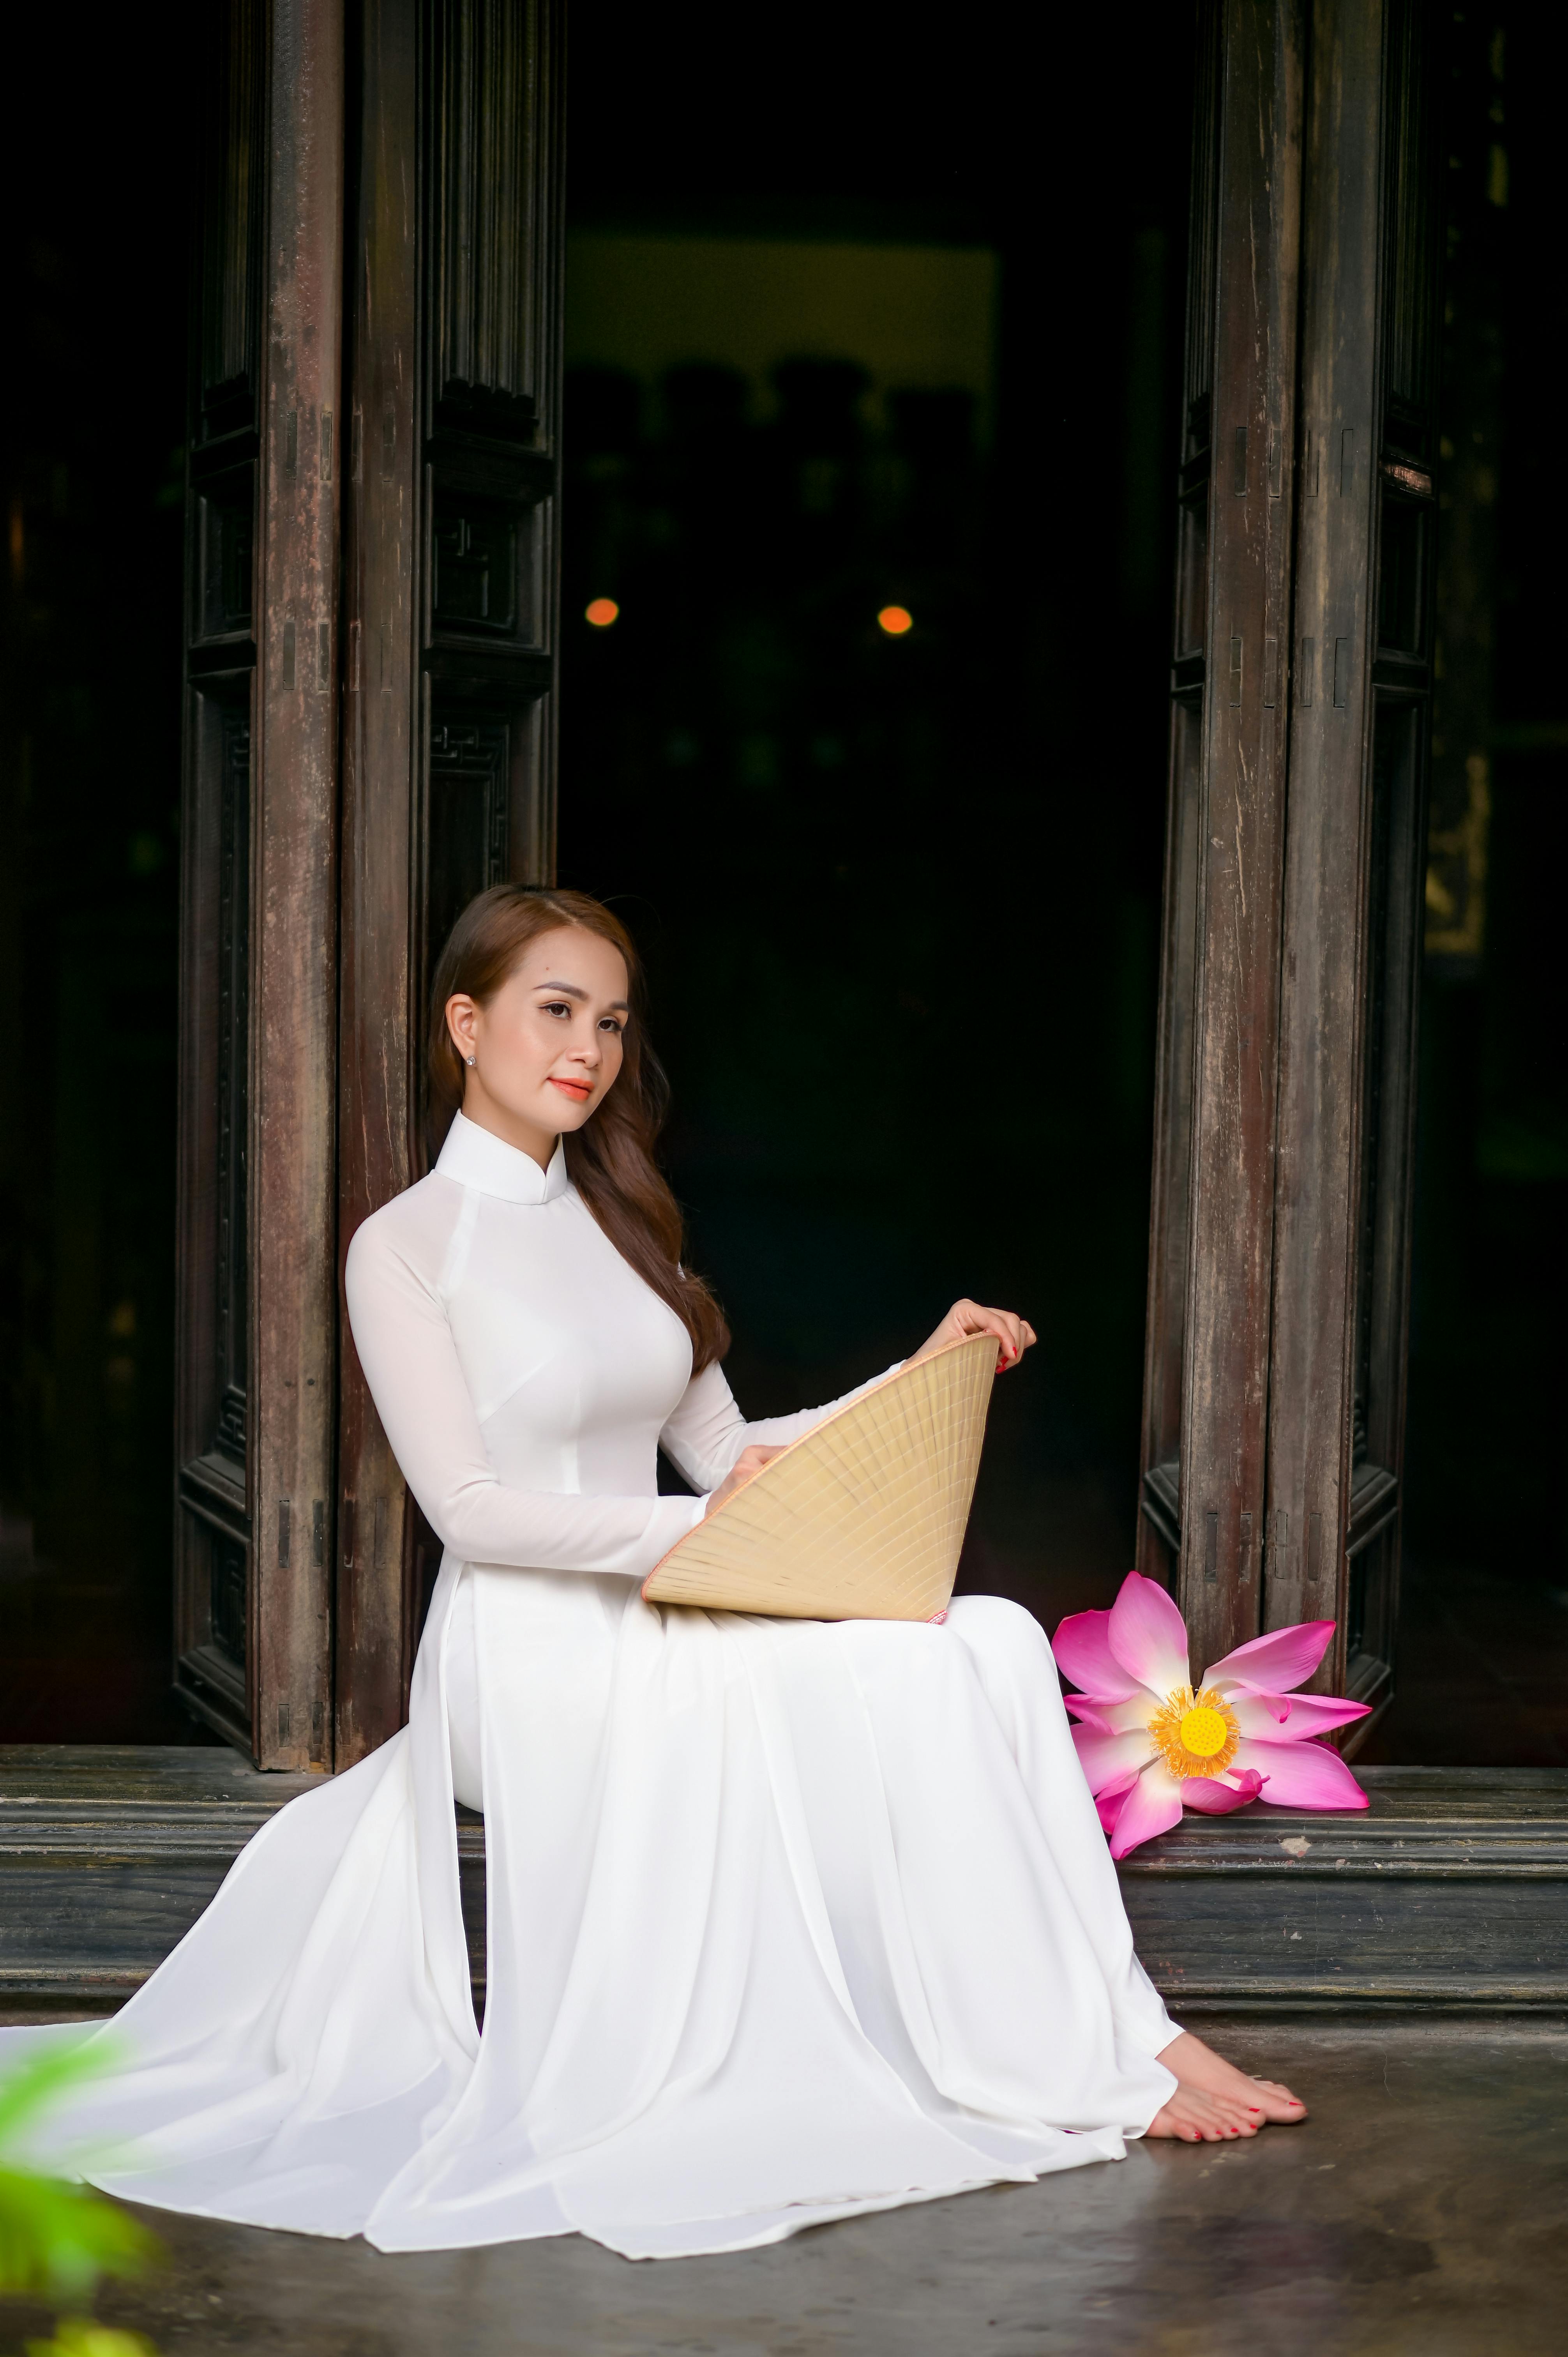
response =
{"points": [[1451, 1891]]}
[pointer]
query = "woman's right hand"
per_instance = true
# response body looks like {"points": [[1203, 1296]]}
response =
{"points": [[749, 1462], [1014, 1335]]}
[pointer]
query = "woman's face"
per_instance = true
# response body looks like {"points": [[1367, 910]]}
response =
{"points": [[547, 1049]]}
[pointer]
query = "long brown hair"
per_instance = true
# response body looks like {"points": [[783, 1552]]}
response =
{"points": [[610, 1159]]}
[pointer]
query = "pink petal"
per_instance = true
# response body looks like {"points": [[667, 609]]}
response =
{"points": [[1217, 1798], [1291, 1718], [1281, 1659], [1148, 1636], [1105, 1757], [1083, 1654], [1301, 1775], [1257, 1713], [1110, 1717], [1153, 1806], [1109, 1801]]}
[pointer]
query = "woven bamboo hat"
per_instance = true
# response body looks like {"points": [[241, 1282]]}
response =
{"points": [[861, 1518]]}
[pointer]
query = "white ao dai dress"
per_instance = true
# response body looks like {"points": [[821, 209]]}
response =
{"points": [[786, 1919]]}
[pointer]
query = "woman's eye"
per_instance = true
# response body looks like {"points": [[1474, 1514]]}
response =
{"points": [[557, 1006], [609, 1023]]}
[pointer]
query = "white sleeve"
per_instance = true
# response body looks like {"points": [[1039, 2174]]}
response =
{"points": [[707, 1432], [404, 1341]]}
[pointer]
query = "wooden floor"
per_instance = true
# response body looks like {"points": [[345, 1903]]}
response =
{"points": [[1417, 2213], [1450, 1892]]}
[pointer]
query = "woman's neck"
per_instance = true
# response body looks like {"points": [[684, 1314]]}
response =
{"points": [[511, 1128]]}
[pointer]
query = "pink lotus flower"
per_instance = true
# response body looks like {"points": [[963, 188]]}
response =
{"points": [[1152, 1743]]}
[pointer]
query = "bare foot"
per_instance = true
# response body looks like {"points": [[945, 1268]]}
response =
{"points": [[1199, 2070], [1199, 2117]]}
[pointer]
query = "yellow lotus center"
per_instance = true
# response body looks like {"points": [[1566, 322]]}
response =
{"points": [[1203, 1731], [1196, 1734]]}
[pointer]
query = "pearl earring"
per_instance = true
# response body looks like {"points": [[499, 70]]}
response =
{"points": [[472, 1060]]}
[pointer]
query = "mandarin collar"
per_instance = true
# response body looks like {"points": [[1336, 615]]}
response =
{"points": [[478, 1157]]}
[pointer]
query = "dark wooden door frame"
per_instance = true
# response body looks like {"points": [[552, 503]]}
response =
{"points": [[1278, 1265]]}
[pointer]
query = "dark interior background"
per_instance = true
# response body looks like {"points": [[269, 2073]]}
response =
{"points": [[899, 897], [94, 243], [1483, 1672]]}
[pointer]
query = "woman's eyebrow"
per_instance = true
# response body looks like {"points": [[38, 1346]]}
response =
{"points": [[569, 990]]}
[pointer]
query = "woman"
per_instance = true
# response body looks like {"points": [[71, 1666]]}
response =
{"points": [[786, 1919]]}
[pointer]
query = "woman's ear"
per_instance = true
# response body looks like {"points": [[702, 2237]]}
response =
{"points": [[462, 1016]]}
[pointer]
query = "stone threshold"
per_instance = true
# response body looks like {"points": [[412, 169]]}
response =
{"points": [[1448, 1894]]}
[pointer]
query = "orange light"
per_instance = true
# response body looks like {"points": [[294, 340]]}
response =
{"points": [[895, 620], [602, 612]]}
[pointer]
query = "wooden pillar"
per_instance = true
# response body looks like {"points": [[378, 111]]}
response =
{"points": [[1222, 959], [295, 896], [1273, 1395]]}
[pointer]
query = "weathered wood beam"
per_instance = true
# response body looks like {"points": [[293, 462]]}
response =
{"points": [[1239, 834], [293, 910]]}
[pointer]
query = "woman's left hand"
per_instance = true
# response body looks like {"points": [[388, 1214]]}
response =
{"points": [[749, 1463], [1014, 1334]]}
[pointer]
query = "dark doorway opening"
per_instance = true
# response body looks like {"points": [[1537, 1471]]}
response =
{"points": [[869, 437]]}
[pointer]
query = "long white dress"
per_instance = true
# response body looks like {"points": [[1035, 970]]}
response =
{"points": [[787, 1920]]}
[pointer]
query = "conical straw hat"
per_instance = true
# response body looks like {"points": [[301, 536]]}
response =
{"points": [[861, 1518]]}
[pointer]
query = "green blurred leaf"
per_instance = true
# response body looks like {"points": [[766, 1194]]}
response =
{"points": [[28, 2091], [79, 2336], [58, 2238]]}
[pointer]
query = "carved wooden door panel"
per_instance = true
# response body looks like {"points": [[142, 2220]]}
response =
{"points": [[1278, 1275], [450, 591], [256, 1326]]}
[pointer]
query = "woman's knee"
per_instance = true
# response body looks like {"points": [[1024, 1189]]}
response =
{"points": [[995, 1622]]}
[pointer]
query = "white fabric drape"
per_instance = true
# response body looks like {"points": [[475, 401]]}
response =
{"points": [[786, 1919]]}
